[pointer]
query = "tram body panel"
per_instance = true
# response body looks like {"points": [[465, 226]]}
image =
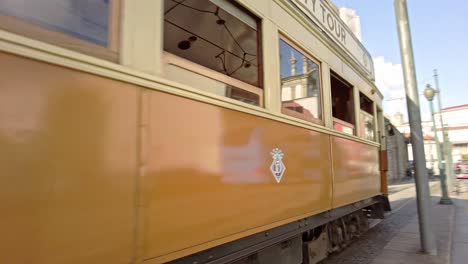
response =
{"points": [[356, 172], [159, 165], [68, 165], [72, 149], [208, 174]]}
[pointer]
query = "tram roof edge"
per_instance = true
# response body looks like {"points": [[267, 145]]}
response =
{"points": [[324, 15]]}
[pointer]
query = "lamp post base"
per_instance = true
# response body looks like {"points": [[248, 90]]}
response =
{"points": [[445, 201]]}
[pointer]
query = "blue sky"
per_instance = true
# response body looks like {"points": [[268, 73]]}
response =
{"points": [[440, 41]]}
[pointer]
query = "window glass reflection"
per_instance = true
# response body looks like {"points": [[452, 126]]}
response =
{"points": [[83, 19], [300, 84], [367, 126], [367, 117]]}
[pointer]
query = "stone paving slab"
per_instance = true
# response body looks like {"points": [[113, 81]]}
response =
{"points": [[389, 256], [459, 253], [404, 249], [460, 238]]}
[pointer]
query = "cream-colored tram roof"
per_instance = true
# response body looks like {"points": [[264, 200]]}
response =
{"points": [[309, 24]]}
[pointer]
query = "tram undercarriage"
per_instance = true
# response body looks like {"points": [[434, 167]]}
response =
{"points": [[307, 241]]}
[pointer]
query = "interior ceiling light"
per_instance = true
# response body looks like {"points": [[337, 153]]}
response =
{"points": [[186, 44]]}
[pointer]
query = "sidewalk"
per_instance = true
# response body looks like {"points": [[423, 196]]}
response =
{"points": [[404, 247], [460, 238], [450, 227]]}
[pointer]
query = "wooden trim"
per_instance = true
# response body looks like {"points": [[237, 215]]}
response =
{"points": [[366, 98], [260, 74], [366, 114], [30, 48], [383, 160], [295, 114], [115, 12], [341, 79], [141, 41], [383, 182], [270, 49], [344, 123], [376, 123], [356, 109], [30, 30], [327, 98], [381, 127], [170, 58]]}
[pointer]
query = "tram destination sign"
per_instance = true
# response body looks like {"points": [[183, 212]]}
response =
{"points": [[321, 13]]}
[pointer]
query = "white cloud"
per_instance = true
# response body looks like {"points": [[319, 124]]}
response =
{"points": [[389, 80]]}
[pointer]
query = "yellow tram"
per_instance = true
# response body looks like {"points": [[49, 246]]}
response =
{"points": [[184, 131]]}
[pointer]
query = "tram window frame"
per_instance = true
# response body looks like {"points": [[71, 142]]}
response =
{"points": [[344, 125], [366, 104], [366, 107], [232, 84], [303, 52], [110, 52]]}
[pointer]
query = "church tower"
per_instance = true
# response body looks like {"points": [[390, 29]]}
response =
{"points": [[305, 64], [293, 62]]}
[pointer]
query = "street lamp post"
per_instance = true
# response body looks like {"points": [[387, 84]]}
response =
{"points": [[446, 141], [429, 93]]}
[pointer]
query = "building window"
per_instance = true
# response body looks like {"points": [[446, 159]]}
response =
{"points": [[300, 83], [366, 124], [87, 26], [217, 39], [342, 104]]}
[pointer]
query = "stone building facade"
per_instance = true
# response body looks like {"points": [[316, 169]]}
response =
{"points": [[397, 153], [456, 121]]}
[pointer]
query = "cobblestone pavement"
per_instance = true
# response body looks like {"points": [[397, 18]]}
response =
{"points": [[371, 244]]}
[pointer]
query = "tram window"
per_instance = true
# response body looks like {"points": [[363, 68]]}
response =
{"points": [[366, 124], [342, 104], [88, 26], [216, 39], [300, 83], [366, 104]]}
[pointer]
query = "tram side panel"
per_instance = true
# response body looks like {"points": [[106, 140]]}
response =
{"points": [[208, 178], [68, 165], [356, 171]]}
